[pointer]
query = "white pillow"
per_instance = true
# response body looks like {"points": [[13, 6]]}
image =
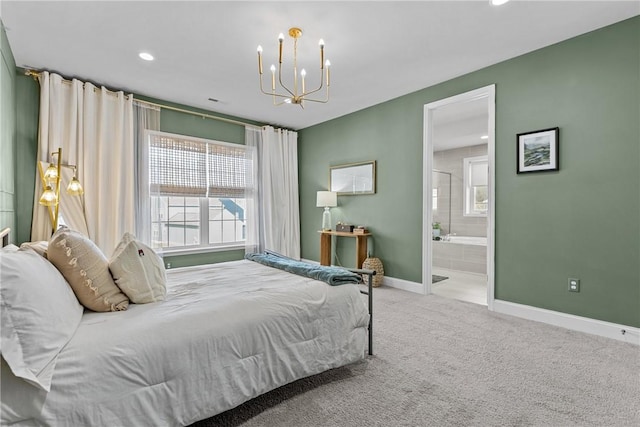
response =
{"points": [[39, 247], [138, 271], [39, 315]]}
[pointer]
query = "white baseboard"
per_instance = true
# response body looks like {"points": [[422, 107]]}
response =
{"points": [[405, 285], [570, 321], [556, 318]]}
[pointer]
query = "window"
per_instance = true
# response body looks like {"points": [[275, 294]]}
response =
{"points": [[197, 192], [434, 196], [476, 189]]}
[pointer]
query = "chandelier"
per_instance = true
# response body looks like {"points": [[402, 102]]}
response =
{"points": [[297, 94]]}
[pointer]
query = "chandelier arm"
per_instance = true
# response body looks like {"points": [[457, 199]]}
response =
{"points": [[272, 93], [280, 81], [316, 100]]}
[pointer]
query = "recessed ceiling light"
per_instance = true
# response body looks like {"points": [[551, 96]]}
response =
{"points": [[484, 137], [146, 56], [498, 2]]}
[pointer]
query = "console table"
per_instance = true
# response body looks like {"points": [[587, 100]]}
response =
{"points": [[325, 246]]}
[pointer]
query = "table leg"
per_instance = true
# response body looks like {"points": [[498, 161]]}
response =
{"points": [[325, 249], [361, 250]]}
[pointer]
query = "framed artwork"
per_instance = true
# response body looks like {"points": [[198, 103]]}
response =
{"points": [[537, 151], [353, 178]]}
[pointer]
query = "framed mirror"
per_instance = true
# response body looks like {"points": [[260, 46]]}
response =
{"points": [[353, 178]]}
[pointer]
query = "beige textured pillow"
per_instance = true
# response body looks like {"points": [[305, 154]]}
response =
{"points": [[138, 271], [87, 270]]}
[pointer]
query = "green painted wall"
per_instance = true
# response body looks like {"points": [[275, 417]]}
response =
{"points": [[27, 105], [27, 111], [7, 135], [582, 221]]}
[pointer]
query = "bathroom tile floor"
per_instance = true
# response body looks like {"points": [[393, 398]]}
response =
{"points": [[461, 285]]}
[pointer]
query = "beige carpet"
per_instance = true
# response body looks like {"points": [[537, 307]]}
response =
{"points": [[441, 362]]}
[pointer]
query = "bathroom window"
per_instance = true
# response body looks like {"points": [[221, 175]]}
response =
{"points": [[476, 186]]}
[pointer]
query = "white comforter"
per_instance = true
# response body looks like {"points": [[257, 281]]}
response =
{"points": [[225, 334]]}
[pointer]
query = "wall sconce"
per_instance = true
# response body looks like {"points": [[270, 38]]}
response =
{"points": [[326, 199], [51, 179]]}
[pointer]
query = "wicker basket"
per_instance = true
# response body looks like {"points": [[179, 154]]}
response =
{"points": [[374, 264]]}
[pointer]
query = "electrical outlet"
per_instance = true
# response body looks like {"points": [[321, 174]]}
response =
{"points": [[574, 285], [168, 265]]}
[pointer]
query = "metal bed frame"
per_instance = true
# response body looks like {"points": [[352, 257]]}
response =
{"points": [[369, 292]]}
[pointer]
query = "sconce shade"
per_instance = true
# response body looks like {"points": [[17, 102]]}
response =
{"points": [[51, 173], [326, 199], [48, 197], [75, 188]]}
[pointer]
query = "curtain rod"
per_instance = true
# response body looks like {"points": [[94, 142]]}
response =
{"points": [[36, 74]]}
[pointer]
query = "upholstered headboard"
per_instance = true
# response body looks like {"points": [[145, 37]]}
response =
{"points": [[4, 235]]}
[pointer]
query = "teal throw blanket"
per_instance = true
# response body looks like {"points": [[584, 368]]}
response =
{"points": [[332, 275]]}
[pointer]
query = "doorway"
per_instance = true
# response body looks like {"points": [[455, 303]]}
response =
{"points": [[476, 199]]}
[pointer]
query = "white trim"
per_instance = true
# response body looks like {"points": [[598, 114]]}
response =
{"points": [[405, 285], [570, 321], [198, 250], [488, 92]]}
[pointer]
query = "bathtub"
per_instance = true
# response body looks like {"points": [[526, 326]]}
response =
{"points": [[461, 253]]}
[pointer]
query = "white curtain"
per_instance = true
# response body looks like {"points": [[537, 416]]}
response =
{"points": [[275, 217], [61, 105], [254, 237], [94, 127], [146, 117]]}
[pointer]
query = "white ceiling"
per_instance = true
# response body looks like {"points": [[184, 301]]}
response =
{"points": [[207, 49], [461, 124]]}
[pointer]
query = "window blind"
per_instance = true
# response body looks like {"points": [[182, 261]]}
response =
{"points": [[226, 171], [185, 167]]}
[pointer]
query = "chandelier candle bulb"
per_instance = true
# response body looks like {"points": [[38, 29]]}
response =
{"points": [[321, 43], [260, 59], [280, 41], [273, 77], [302, 74], [328, 64]]}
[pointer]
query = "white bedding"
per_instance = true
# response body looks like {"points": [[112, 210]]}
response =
{"points": [[225, 334]]}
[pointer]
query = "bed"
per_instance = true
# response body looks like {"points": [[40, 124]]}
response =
{"points": [[225, 334]]}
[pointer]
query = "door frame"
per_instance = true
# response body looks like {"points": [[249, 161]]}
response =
{"points": [[486, 92]]}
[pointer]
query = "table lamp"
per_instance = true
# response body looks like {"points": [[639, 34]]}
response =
{"points": [[327, 200]]}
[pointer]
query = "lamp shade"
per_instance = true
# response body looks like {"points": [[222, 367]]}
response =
{"points": [[327, 199], [48, 197]]}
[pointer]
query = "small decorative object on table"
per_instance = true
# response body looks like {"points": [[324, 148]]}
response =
{"points": [[345, 228], [360, 230], [374, 264]]}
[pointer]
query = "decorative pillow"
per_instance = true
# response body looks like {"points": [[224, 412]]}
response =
{"points": [[39, 315], [87, 270], [10, 248], [138, 271], [39, 247]]}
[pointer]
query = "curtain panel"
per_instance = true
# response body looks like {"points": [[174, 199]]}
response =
{"points": [[94, 127], [275, 213], [145, 118]]}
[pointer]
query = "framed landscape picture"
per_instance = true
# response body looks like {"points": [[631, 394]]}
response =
{"points": [[538, 150]]}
